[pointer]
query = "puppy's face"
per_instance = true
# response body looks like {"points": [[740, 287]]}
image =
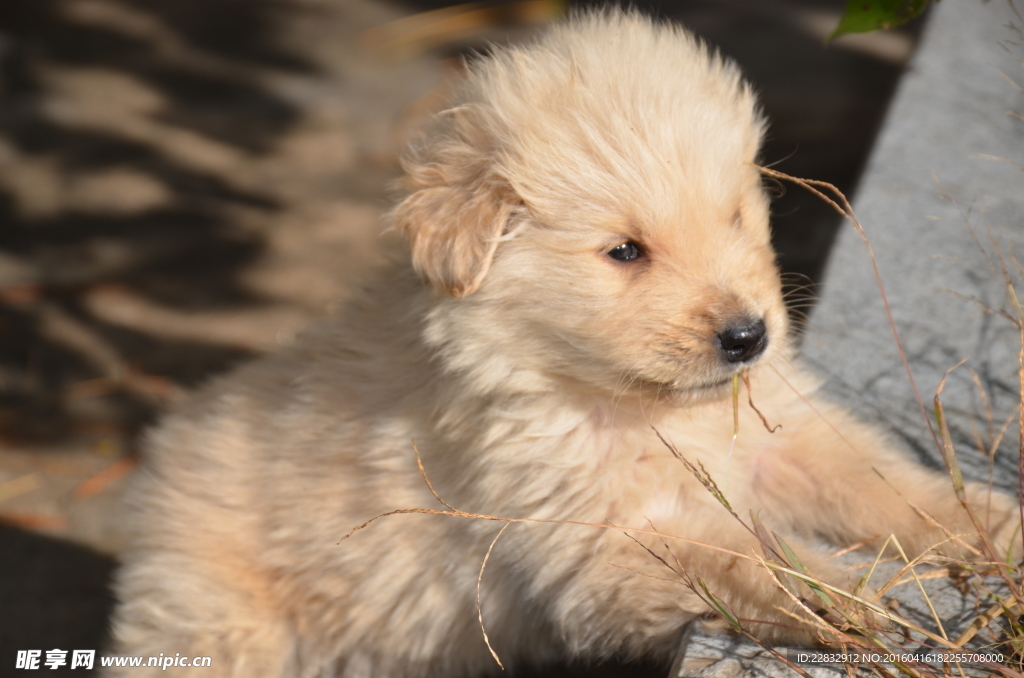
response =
{"points": [[673, 299], [597, 217]]}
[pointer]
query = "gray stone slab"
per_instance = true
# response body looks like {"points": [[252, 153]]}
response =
{"points": [[942, 199], [942, 194], [706, 653]]}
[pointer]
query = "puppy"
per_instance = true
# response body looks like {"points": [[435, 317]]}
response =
{"points": [[588, 267]]}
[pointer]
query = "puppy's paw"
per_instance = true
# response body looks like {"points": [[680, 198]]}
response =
{"points": [[820, 598], [999, 515], [865, 618], [851, 615], [953, 533]]}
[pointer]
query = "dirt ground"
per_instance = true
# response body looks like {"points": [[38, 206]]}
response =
{"points": [[184, 184]]}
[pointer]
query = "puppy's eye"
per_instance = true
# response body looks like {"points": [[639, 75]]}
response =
{"points": [[627, 251]]}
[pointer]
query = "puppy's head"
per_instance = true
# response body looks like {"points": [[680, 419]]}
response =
{"points": [[589, 211]]}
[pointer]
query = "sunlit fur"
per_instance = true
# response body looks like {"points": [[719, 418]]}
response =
{"points": [[530, 369]]}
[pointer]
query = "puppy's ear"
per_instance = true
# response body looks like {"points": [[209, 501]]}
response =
{"points": [[456, 211]]}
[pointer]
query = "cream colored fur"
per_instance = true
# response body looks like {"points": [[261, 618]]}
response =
{"points": [[530, 369]]}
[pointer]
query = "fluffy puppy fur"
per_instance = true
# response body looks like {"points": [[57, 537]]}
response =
{"points": [[588, 260]]}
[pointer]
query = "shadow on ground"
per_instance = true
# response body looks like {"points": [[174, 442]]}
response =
{"points": [[60, 598], [113, 116]]}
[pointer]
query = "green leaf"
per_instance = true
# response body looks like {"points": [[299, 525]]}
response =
{"points": [[862, 16], [826, 600], [720, 606], [948, 453]]}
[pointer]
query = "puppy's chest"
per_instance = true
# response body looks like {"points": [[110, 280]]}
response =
{"points": [[614, 456], [646, 477]]}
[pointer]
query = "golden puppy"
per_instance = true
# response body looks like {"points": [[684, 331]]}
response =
{"points": [[589, 261]]}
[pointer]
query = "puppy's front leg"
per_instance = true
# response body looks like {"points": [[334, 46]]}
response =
{"points": [[830, 474], [624, 600]]}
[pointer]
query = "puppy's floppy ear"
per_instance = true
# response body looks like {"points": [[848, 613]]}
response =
{"points": [[457, 209]]}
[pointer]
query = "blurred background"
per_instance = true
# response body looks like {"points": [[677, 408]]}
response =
{"points": [[184, 184]]}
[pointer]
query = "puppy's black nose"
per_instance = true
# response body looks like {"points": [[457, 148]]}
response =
{"points": [[743, 341]]}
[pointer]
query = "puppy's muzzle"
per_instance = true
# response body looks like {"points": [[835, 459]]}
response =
{"points": [[743, 341]]}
